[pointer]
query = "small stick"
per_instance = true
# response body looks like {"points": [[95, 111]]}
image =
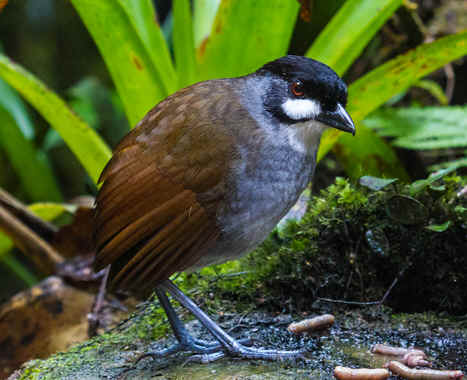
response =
{"points": [[345, 373], [42, 228], [316, 323], [450, 81], [396, 351], [348, 302], [32, 245], [423, 374]]}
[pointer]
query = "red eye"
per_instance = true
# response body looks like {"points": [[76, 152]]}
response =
{"points": [[297, 89]]}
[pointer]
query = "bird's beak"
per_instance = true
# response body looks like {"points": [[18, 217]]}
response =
{"points": [[339, 119]]}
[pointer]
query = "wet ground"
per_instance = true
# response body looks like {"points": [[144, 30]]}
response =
{"points": [[347, 343]]}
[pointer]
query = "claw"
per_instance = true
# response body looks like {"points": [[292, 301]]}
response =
{"points": [[204, 358]]}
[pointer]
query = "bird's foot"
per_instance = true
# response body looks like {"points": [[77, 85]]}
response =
{"points": [[205, 351], [244, 352], [229, 346]]}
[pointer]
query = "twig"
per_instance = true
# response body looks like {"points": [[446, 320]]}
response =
{"points": [[348, 302], [450, 81], [394, 282], [44, 229]]}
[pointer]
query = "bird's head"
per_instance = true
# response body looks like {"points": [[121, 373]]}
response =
{"points": [[303, 90]]}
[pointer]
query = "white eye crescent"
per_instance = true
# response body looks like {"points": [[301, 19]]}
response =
{"points": [[298, 109]]}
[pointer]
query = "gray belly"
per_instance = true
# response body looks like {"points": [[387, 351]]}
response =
{"points": [[259, 194]]}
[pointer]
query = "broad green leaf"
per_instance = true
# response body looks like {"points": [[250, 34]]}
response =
{"points": [[246, 35], [373, 89], [378, 86], [134, 50], [350, 30], [46, 211], [83, 141], [142, 15], [30, 164], [183, 43], [204, 13], [422, 128]]}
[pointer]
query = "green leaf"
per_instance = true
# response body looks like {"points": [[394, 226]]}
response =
{"points": [[382, 83], [434, 89], [47, 211], [134, 49], [16, 132], [10, 101], [204, 14], [422, 128], [350, 30], [419, 185], [266, 27], [183, 43], [376, 183], [439, 227], [378, 86], [87, 146], [30, 164], [142, 15]]}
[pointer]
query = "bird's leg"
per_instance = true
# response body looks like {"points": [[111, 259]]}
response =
{"points": [[185, 341], [93, 316], [229, 345]]}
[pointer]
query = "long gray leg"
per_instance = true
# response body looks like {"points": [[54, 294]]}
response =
{"points": [[185, 341], [230, 345]]}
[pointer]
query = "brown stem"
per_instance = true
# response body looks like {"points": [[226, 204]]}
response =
{"points": [[32, 245], [44, 229]]}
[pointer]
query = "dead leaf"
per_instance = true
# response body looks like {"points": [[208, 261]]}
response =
{"points": [[47, 318]]}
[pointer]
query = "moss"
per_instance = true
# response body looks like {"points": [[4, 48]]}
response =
{"points": [[352, 244]]}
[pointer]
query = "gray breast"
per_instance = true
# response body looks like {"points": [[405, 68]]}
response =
{"points": [[263, 187]]}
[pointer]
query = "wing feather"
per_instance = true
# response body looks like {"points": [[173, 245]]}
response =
{"points": [[155, 211]]}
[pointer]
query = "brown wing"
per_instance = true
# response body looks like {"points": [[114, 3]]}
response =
{"points": [[161, 189]]}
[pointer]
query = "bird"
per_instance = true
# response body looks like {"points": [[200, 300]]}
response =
{"points": [[205, 176]]}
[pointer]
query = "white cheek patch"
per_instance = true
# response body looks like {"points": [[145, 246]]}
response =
{"points": [[298, 109]]}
